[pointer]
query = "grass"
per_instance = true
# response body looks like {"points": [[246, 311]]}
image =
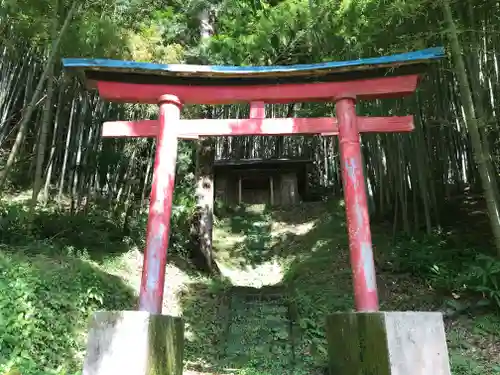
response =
{"points": [[309, 243], [45, 302], [56, 269], [53, 278]]}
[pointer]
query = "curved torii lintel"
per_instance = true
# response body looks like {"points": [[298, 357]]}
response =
{"points": [[377, 77]]}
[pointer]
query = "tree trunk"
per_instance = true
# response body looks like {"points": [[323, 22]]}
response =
{"points": [[48, 177], [36, 95], [47, 117], [472, 125], [77, 164], [205, 155], [64, 166], [205, 195], [42, 140]]}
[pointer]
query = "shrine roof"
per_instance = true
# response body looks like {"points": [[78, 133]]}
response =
{"points": [[141, 72], [259, 163]]}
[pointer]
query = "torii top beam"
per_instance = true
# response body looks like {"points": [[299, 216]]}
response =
{"points": [[136, 82]]}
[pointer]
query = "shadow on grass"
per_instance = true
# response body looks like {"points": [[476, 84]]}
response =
{"points": [[255, 227], [311, 239], [312, 243], [45, 306], [268, 233], [466, 218], [205, 312], [237, 330], [94, 233], [315, 259]]}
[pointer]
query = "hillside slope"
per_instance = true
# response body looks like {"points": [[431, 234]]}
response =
{"points": [[49, 288], [305, 248]]}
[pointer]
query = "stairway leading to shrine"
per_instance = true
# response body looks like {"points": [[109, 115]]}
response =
{"points": [[260, 331]]}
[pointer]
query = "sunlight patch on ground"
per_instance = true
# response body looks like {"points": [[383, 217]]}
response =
{"points": [[175, 280], [223, 239], [21, 197], [255, 208], [280, 228], [267, 273], [192, 372]]}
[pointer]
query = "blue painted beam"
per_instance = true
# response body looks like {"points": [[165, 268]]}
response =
{"points": [[221, 71]]}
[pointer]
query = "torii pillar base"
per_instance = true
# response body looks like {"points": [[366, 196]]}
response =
{"points": [[387, 343], [134, 343]]}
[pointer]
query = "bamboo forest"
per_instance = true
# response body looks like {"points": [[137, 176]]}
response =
{"points": [[253, 276]]}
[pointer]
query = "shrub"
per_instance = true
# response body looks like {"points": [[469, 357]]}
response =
{"points": [[44, 306]]}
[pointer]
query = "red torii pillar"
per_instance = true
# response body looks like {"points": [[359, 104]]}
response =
{"points": [[160, 206], [358, 221]]}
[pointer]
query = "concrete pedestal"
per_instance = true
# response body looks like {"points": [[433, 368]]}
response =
{"points": [[387, 343], [134, 343]]}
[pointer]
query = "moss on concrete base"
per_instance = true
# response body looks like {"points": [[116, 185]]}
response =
{"points": [[134, 343], [387, 343]]}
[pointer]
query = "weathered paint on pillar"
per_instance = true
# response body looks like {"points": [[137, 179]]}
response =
{"points": [[160, 207], [358, 222], [257, 110]]}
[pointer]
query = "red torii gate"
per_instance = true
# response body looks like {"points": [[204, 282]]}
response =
{"points": [[171, 86], [347, 128]]}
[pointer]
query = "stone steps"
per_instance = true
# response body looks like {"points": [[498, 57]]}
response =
{"points": [[259, 332]]}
